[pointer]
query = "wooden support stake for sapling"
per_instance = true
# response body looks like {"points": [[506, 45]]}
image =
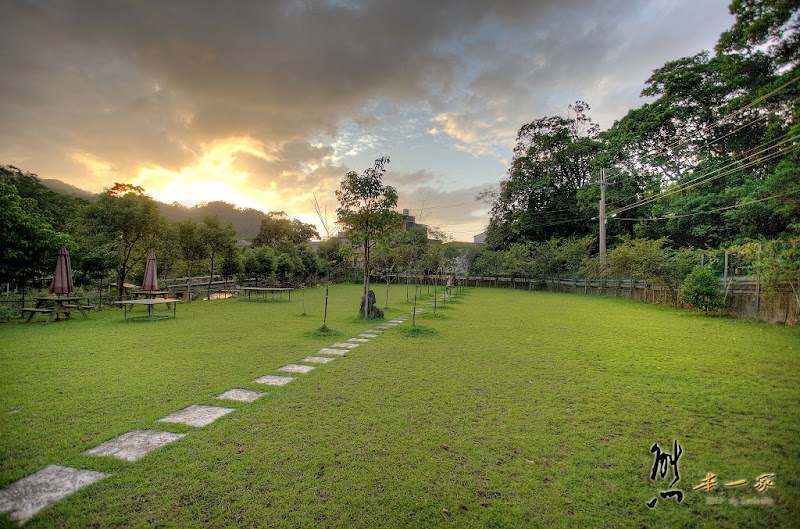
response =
{"points": [[414, 312], [325, 314]]}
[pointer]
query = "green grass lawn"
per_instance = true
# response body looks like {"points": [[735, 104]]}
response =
{"points": [[508, 409]]}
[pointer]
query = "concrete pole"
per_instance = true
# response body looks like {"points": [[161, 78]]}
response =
{"points": [[603, 216]]}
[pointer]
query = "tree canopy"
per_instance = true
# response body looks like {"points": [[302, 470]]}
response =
{"points": [[366, 212]]}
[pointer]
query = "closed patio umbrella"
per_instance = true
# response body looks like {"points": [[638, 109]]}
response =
{"points": [[150, 277], [62, 277]]}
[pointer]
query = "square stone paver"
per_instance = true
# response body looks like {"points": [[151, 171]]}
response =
{"points": [[24, 498], [317, 359], [242, 395], [358, 340], [367, 335], [376, 330], [197, 415], [392, 324], [295, 368], [345, 345], [328, 350], [396, 321], [134, 445], [273, 380]]}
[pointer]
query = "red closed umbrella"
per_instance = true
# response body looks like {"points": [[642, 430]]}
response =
{"points": [[62, 277], [150, 277]]}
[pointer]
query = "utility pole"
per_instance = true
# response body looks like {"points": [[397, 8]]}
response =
{"points": [[603, 215]]}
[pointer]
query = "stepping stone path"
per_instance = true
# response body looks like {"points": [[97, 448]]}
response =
{"points": [[317, 359], [295, 368], [242, 395], [197, 415], [134, 445], [329, 351], [345, 345], [24, 498], [273, 380]]}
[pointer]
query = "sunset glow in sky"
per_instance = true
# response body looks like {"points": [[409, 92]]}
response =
{"points": [[266, 104]]}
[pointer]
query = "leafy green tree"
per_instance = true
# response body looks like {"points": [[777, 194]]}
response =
{"points": [[553, 160], [60, 211], [700, 289], [191, 246], [329, 256], [366, 214], [231, 264], [518, 261], [28, 244], [773, 23], [385, 261], [259, 262], [130, 221], [277, 226], [218, 238], [779, 266], [411, 247]]}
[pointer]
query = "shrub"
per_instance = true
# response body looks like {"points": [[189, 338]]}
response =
{"points": [[700, 289]]}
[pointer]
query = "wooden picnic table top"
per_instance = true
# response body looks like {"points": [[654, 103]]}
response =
{"points": [[58, 298], [149, 301]]}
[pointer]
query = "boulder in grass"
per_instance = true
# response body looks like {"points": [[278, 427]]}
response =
{"points": [[374, 311]]}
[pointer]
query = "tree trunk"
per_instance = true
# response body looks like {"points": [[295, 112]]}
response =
{"points": [[211, 277], [368, 308]]}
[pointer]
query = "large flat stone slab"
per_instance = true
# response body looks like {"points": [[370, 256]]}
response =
{"points": [[367, 335], [296, 368], [317, 359], [345, 345], [24, 498], [395, 321], [273, 380], [376, 331], [329, 351], [392, 324], [134, 445], [242, 395], [358, 340], [197, 415]]}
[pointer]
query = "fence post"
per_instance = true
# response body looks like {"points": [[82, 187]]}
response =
{"points": [[758, 285]]}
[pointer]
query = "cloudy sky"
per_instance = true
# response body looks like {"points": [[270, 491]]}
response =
{"points": [[266, 103]]}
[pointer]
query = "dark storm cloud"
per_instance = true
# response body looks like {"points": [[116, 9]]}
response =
{"points": [[151, 82]]}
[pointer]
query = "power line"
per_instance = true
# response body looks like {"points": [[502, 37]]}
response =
{"points": [[668, 217], [708, 177]]}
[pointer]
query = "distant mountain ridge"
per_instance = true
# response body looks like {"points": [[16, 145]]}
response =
{"points": [[67, 189], [246, 221]]}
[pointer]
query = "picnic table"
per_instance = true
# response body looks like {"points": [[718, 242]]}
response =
{"points": [[261, 292], [149, 303], [150, 294], [55, 306]]}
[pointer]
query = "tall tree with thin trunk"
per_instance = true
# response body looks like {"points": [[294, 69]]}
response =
{"points": [[366, 213], [130, 221], [218, 238]]}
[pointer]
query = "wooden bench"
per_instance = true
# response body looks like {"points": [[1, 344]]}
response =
{"points": [[32, 312], [87, 307]]}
